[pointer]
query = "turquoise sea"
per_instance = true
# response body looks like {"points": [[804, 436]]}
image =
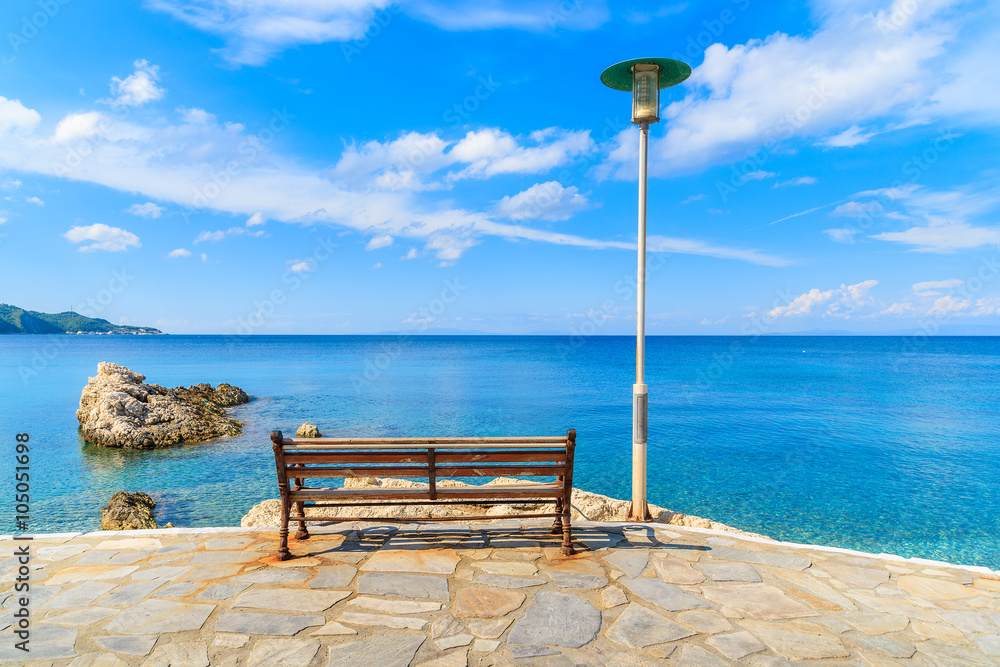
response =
{"points": [[883, 444]]}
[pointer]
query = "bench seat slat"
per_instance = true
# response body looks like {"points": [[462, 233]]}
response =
{"points": [[298, 445], [422, 471], [557, 456], [362, 442], [520, 491]]}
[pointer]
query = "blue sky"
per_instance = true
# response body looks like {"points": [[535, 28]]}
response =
{"points": [[358, 166]]}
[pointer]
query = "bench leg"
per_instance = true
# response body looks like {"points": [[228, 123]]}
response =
{"points": [[557, 524], [283, 553], [302, 533], [567, 532]]}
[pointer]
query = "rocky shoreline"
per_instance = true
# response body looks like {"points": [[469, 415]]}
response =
{"points": [[587, 506], [118, 409]]}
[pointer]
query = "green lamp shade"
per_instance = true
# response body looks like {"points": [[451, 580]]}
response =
{"points": [[619, 76]]}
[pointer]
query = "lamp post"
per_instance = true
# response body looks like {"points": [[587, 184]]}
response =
{"points": [[644, 77]]}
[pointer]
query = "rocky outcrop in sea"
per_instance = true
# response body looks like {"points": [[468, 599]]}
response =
{"points": [[129, 511], [117, 409]]}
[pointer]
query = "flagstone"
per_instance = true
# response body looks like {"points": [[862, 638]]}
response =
{"points": [[933, 589], [96, 557], [890, 605], [289, 599], [206, 572], [446, 626], [333, 576], [271, 577], [584, 574], [224, 557], [334, 628], [162, 572], [253, 623], [430, 561], [82, 616], [662, 595], [968, 621], [61, 552], [489, 628], [80, 595], [230, 640], [764, 602], [951, 655], [135, 645], [630, 561], [182, 589], [97, 660], [226, 543], [705, 621], [482, 602], [510, 568], [857, 577], [454, 642], [736, 645], [688, 552], [876, 624], [160, 616], [558, 619], [530, 651], [507, 582], [612, 596], [386, 650], [674, 571], [139, 543], [180, 547], [189, 654], [222, 591], [595, 541], [983, 584], [884, 645], [48, 642], [990, 644], [797, 640], [742, 572], [129, 557], [637, 627], [297, 652], [696, 656], [486, 645], [760, 557], [414, 586], [70, 575], [937, 631], [394, 606], [131, 594]]}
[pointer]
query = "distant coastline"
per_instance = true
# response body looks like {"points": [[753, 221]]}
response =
{"points": [[15, 320]]}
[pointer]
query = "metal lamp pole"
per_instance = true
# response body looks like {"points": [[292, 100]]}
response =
{"points": [[644, 77]]}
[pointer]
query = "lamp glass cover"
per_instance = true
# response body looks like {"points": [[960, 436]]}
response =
{"points": [[645, 93]]}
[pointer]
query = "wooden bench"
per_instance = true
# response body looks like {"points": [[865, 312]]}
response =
{"points": [[301, 459]]}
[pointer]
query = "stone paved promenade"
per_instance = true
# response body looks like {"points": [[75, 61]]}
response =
{"points": [[491, 594]]}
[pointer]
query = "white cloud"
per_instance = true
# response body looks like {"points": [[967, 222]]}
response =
{"points": [[646, 17], [853, 209], [852, 136], [758, 175], [204, 257], [949, 305], [844, 301], [842, 234], [102, 237], [694, 198], [172, 162], [77, 126], [179, 252], [937, 284], [799, 180], [943, 219], [256, 31], [754, 97], [34, 200], [301, 265], [220, 234], [15, 117], [410, 254], [377, 242], [693, 247], [137, 88], [542, 201], [256, 219], [377, 265], [147, 210]]}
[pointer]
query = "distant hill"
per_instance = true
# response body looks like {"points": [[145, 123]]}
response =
{"points": [[14, 320]]}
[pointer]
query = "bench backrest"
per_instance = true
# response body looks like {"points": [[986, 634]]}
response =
{"points": [[425, 458]]}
